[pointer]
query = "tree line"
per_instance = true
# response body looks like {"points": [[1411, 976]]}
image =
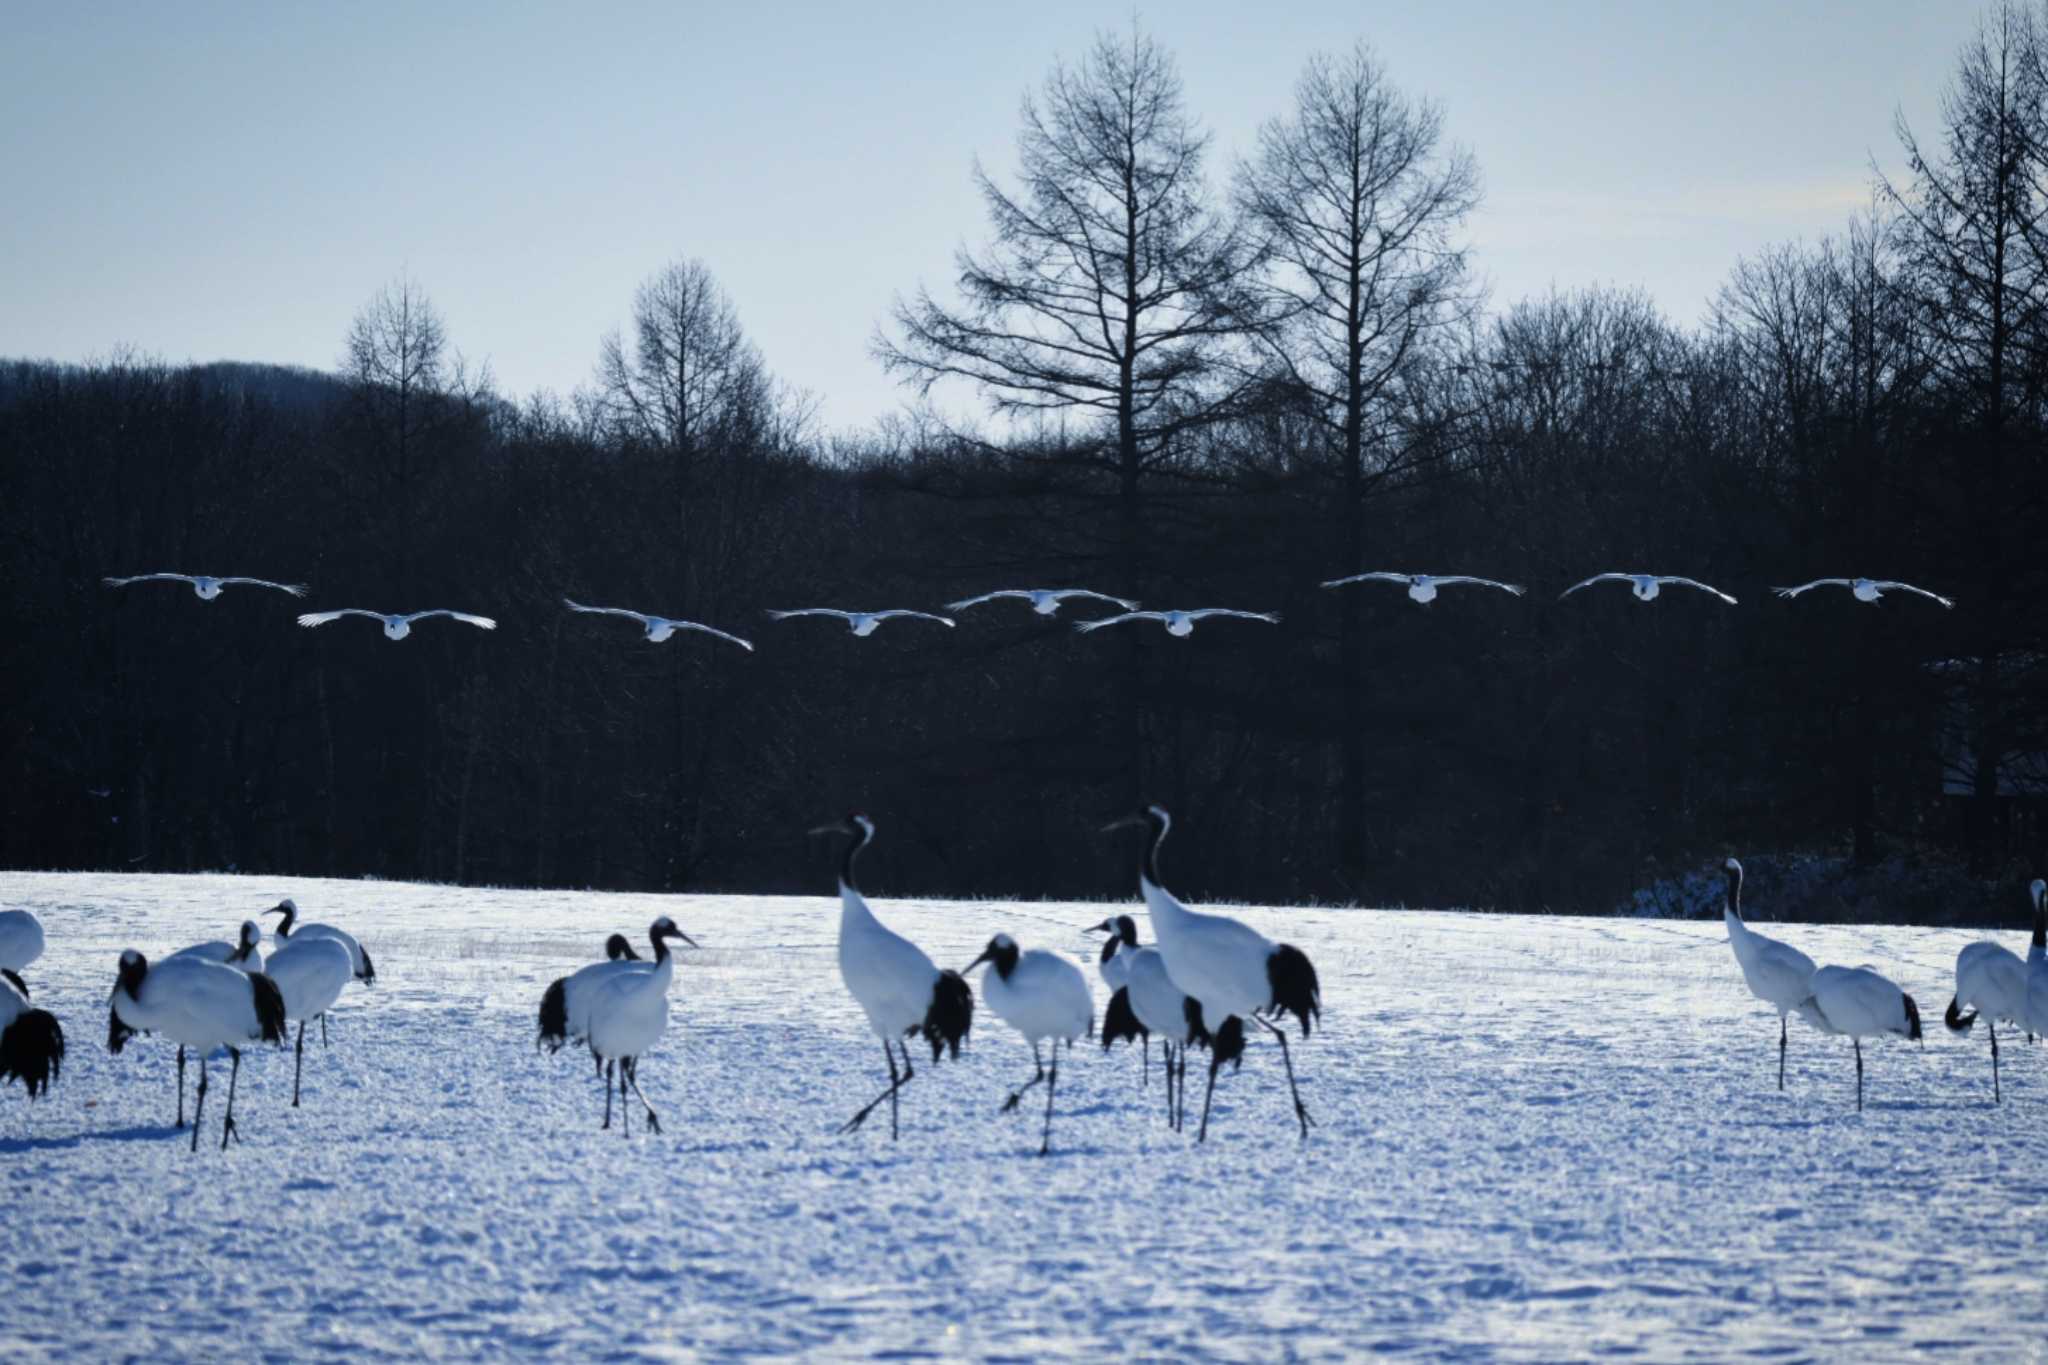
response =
{"points": [[1195, 384]]}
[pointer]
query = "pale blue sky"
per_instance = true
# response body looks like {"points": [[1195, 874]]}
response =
{"points": [[225, 181]]}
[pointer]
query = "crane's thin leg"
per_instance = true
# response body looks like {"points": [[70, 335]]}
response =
{"points": [[1781, 1052], [653, 1119], [1017, 1097], [604, 1069], [625, 1114], [896, 1082], [1145, 1046], [181, 1089], [227, 1127], [1996, 1097], [1300, 1109], [1166, 1051], [299, 1061], [1052, 1081], [199, 1102], [1859, 1074], [1207, 1095], [323, 1030], [598, 1062]]}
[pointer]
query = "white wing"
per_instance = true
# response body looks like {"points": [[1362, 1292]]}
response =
{"points": [[964, 603], [483, 622], [149, 578], [812, 611], [1085, 626], [1808, 587], [295, 589], [609, 611], [692, 625], [1064, 593], [1271, 618], [1695, 583], [1379, 575], [921, 615], [1481, 582], [1596, 578], [1889, 586], [321, 618]]}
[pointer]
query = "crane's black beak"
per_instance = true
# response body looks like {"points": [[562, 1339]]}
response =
{"points": [[684, 937], [830, 829], [1107, 926], [1126, 823], [976, 963], [273, 910]]}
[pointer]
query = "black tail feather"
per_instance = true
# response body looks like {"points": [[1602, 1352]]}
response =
{"points": [[1295, 989], [554, 1015], [118, 1033], [1957, 1021], [951, 1014], [32, 1051], [1191, 1010], [1120, 1022], [1227, 1045], [269, 1008], [368, 976]]}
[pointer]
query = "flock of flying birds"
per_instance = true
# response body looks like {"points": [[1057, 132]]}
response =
{"points": [[1180, 622], [1205, 984]]}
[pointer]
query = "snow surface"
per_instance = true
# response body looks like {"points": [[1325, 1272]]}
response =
{"points": [[1538, 1137]]}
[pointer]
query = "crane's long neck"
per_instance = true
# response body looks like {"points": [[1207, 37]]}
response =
{"points": [[1731, 900], [284, 926], [862, 833], [2040, 943], [1168, 914]]}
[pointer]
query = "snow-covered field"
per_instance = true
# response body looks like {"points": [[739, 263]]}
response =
{"points": [[1539, 1137]]}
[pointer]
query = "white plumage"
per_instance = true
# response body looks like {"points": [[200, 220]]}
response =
{"points": [[310, 974], [290, 928], [659, 628], [2037, 962], [629, 1014], [1776, 973], [1148, 1002], [1647, 585], [897, 987], [1422, 587], [243, 955], [204, 586], [1045, 998], [1991, 981], [1044, 601], [1232, 970], [199, 1005], [862, 623], [1180, 623], [397, 625], [1865, 589], [565, 1005], [1859, 1003], [21, 939]]}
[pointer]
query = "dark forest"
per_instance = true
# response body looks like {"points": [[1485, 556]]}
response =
{"points": [[1196, 377]]}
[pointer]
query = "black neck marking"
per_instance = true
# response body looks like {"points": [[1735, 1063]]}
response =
{"points": [[1155, 835], [1734, 896], [2041, 922]]}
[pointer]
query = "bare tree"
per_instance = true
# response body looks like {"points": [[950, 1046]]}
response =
{"points": [[396, 360], [1359, 200], [1973, 217], [1111, 281], [690, 378]]}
